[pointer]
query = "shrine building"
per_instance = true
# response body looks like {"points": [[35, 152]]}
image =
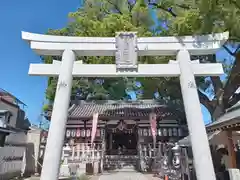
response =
{"points": [[121, 125]]}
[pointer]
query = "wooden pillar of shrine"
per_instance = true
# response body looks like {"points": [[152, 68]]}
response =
{"points": [[110, 141], [231, 151], [85, 129]]}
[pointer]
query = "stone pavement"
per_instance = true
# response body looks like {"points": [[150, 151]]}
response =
{"points": [[121, 174], [126, 174]]}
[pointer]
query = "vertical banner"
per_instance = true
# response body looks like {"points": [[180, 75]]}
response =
{"points": [[153, 124], [94, 126]]}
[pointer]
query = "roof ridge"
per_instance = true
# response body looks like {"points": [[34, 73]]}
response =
{"points": [[110, 102], [119, 110], [71, 109]]}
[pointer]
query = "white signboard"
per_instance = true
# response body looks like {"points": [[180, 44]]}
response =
{"points": [[126, 55], [234, 174]]}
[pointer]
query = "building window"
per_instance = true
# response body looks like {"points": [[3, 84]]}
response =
{"points": [[2, 122], [2, 139], [8, 119]]}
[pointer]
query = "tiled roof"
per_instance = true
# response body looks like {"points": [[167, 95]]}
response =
{"points": [[9, 97], [231, 118], [187, 142], [127, 110]]}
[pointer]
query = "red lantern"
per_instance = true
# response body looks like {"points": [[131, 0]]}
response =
{"points": [[78, 133]]}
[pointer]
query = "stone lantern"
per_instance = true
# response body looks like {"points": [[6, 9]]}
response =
{"points": [[64, 169]]}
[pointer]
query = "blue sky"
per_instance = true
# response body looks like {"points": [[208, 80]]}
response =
{"points": [[33, 16], [16, 55]]}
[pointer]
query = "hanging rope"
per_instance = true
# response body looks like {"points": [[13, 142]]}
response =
{"points": [[123, 127]]}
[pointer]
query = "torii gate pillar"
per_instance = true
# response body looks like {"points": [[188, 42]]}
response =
{"points": [[127, 49], [199, 141], [56, 133]]}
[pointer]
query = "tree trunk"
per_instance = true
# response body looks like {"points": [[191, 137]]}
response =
{"points": [[233, 82]]}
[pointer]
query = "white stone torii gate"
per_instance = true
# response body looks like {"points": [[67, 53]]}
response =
{"points": [[126, 47]]}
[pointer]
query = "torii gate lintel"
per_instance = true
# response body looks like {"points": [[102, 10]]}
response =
{"points": [[110, 70]]}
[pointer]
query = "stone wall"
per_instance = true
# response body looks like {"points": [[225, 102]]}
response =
{"points": [[11, 161], [19, 156], [16, 138], [32, 154]]}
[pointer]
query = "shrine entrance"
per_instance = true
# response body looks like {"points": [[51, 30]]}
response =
{"points": [[121, 139], [121, 145], [125, 143]]}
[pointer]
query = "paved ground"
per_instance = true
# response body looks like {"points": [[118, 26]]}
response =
{"points": [[122, 174], [126, 174]]}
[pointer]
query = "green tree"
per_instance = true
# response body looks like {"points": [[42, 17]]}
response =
{"points": [[104, 18], [189, 17], [193, 17]]}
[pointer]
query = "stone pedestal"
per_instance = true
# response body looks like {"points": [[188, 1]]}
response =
{"points": [[234, 174], [81, 169], [64, 169], [95, 167]]}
